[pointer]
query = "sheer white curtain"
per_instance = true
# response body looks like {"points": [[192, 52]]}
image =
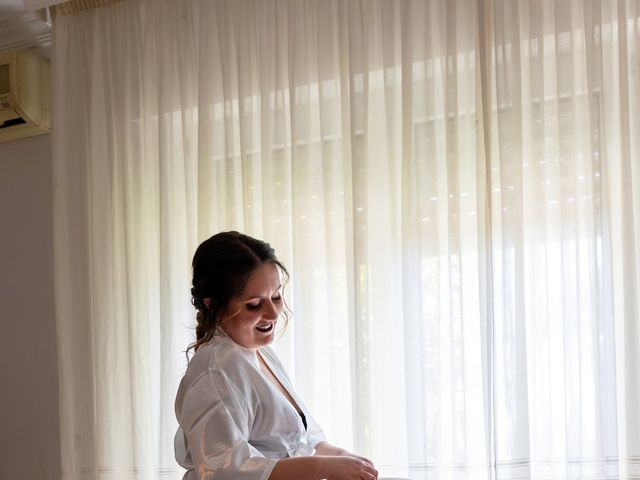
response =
{"points": [[454, 186]]}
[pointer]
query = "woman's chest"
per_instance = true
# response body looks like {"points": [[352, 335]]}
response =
{"points": [[275, 422]]}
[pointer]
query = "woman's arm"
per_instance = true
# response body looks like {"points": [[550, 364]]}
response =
{"points": [[325, 448], [320, 467]]}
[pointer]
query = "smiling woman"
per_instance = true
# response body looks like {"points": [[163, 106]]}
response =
{"points": [[232, 276], [250, 318], [239, 415]]}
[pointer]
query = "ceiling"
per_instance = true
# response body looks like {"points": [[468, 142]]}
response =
{"points": [[22, 28]]}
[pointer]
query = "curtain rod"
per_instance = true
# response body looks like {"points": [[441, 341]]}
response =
{"points": [[74, 6]]}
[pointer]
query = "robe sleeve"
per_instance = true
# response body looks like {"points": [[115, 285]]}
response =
{"points": [[216, 423]]}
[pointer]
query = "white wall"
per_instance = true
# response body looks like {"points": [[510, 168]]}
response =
{"points": [[29, 425]]}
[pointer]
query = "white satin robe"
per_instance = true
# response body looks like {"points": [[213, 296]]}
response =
{"points": [[234, 422]]}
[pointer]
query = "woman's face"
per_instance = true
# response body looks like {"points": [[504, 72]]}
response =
{"points": [[250, 319]]}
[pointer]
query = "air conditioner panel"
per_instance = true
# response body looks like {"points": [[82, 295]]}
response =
{"points": [[25, 107]]}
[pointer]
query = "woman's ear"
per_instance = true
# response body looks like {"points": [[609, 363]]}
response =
{"points": [[207, 302]]}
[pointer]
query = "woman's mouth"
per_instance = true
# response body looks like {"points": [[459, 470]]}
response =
{"points": [[265, 328]]}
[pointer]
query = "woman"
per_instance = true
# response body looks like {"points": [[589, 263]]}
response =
{"points": [[239, 416]]}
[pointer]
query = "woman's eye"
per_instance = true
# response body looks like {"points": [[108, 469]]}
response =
{"points": [[258, 305]]}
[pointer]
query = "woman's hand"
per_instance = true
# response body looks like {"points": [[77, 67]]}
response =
{"points": [[326, 467], [349, 454], [345, 467]]}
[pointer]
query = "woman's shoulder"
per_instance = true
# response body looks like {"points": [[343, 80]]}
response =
{"points": [[222, 355], [219, 369]]}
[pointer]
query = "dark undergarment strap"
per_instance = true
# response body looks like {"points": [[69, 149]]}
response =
{"points": [[304, 419]]}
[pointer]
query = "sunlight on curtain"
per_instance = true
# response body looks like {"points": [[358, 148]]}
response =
{"points": [[454, 187]]}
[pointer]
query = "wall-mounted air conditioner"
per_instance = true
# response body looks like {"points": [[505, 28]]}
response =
{"points": [[25, 95]]}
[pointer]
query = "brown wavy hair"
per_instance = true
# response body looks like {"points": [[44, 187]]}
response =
{"points": [[221, 267]]}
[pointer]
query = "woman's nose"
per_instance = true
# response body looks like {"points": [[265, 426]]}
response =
{"points": [[270, 309]]}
